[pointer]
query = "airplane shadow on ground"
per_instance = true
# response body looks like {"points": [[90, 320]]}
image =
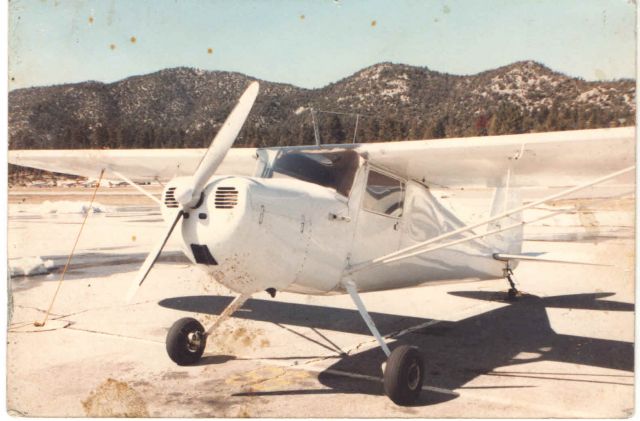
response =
{"points": [[455, 352]]}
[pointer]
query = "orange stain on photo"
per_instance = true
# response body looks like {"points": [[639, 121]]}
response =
{"points": [[133, 40], [209, 50], [112, 46], [374, 23]]}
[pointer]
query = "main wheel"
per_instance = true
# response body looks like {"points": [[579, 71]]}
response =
{"points": [[186, 341], [403, 375]]}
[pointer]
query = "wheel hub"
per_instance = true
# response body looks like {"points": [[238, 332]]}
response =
{"points": [[194, 340], [413, 375]]}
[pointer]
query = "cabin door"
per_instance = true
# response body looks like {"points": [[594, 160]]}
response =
{"points": [[378, 227]]}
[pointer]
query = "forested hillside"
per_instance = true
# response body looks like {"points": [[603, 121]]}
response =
{"points": [[184, 107]]}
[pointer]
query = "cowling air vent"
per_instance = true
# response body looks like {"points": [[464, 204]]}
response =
{"points": [[226, 197], [170, 198]]}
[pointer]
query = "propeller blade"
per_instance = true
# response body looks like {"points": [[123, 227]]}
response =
{"points": [[218, 149], [220, 145], [151, 258]]}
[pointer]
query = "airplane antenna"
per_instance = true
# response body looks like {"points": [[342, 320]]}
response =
{"points": [[355, 130], [316, 133]]}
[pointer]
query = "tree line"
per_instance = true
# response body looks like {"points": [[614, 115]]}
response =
{"points": [[505, 118]]}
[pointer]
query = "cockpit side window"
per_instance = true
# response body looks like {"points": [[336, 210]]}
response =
{"points": [[335, 170], [384, 195]]}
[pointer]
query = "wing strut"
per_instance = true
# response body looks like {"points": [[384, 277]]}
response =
{"points": [[420, 247], [497, 256], [353, 292], [506, 257], [137, 187], [445, 245]]}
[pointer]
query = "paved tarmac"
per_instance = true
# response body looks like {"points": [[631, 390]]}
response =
{"points": [[564, 349]]}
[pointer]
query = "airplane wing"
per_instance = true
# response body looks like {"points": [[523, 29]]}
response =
{"points": [[136, 164], [537, 159]]}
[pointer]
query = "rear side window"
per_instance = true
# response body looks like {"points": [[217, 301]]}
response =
{"points": [[384, 195]]}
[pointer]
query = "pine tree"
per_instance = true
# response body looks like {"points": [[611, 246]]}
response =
{"points": [[336, 131], [438, 130]]}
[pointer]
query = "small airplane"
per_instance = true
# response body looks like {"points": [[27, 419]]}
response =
{"points": [[336, 219]]}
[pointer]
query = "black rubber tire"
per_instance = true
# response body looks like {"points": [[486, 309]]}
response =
{"points": [[404, 375], [179, 348]]}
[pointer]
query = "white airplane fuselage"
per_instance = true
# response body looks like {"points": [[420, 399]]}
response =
{"points": [[253, 233]]}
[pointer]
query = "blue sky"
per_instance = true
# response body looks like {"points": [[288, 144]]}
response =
{"points": [[311, 43]]}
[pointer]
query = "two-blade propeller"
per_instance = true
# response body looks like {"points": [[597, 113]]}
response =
{"points": [[187, 196]]}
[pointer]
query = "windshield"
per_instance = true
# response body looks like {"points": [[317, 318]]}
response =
{"points": [[335, 170]]}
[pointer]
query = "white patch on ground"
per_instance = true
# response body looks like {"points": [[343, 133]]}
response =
{"points": [[299, 111], [29, 266]]}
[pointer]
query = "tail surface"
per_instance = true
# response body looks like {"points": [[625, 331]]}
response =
{"points": [[509, 241]]}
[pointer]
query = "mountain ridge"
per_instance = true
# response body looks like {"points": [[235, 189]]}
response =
{"points": [[183, 107]]}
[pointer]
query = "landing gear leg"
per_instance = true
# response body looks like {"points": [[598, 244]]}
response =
{"points": [[404, 371], [187, 338], [513, 292], [231, 308]]}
